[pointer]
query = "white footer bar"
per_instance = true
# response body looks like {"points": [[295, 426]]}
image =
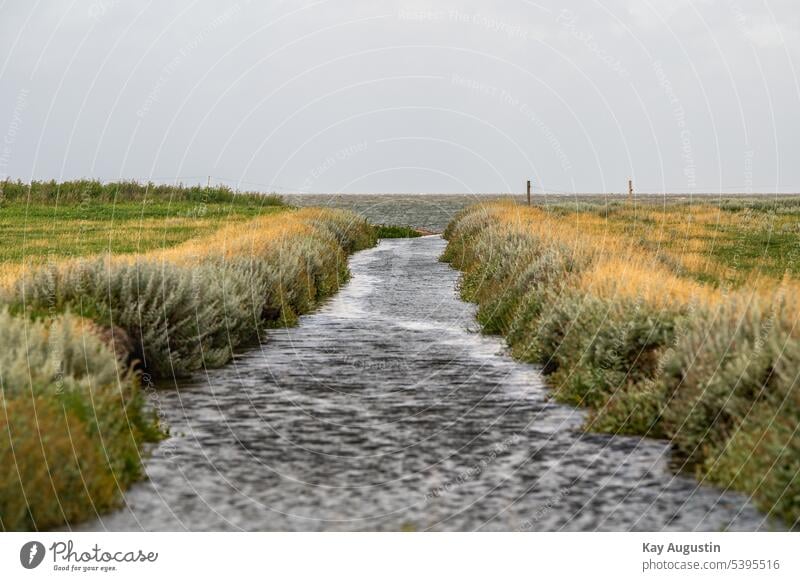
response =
{"points": [[401, 556]]}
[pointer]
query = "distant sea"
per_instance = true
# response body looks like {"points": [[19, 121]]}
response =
{"points": [[432, 212]]}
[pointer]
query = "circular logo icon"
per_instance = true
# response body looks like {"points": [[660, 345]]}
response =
{"points": [[31, 554]]}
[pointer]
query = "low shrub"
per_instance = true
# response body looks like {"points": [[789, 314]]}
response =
{"points": [[391, 231], [762, 458], [634, 409], [71, 423], [52, 471], [191, 307], [733, 403], [723, 364], [595, 347]]}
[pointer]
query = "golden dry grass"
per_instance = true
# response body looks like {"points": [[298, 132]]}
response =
{"points": [[242, 239], [662, 256], [171, 237], [33, 235]]}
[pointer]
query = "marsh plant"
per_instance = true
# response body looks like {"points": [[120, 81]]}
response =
{"points": [[71, 423], [191, 306], [77, 336], [651, 350]]}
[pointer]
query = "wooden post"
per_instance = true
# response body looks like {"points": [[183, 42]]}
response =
{"points": [[529, 192], [630, 188], [208, 184]]}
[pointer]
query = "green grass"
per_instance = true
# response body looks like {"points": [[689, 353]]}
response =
{"points": [[391, 231], [38, 232], [765, 251]]}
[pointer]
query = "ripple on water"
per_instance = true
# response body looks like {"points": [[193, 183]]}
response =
{"points": [[386, 409]]}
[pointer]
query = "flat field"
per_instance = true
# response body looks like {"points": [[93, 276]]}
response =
{"points": [[38, 233], [723, 242]]}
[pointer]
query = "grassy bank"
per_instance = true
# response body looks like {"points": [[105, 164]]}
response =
{"points": [[80, 335], [664, 322]]}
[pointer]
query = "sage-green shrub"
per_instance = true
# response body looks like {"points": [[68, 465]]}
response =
{"points": [[71, 423], [723, 364], [185, 317], [733, 400]]}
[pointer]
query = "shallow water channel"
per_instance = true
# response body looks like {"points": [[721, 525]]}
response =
{"points": [[387, 410]]}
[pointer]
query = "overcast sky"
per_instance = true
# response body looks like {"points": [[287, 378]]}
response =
{"points": [[411, 96]]}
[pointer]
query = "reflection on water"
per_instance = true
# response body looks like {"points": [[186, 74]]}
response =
{"points": [[385, 410]]}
